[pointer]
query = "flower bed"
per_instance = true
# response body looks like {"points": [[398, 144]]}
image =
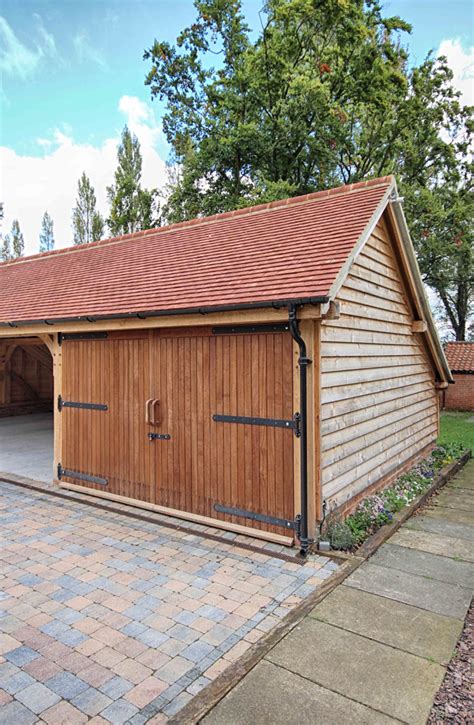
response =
{"points": [[377, 510]]}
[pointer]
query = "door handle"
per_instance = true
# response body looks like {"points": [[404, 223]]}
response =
{"points": [[148, 411], [156, 418]]}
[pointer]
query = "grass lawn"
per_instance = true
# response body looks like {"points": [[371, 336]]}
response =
{"points": [[457, 428]]}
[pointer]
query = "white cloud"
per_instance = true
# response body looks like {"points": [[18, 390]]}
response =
{"points": [[32, 185], [86, 52], [16, 58], [48, 41], [461, 62]]}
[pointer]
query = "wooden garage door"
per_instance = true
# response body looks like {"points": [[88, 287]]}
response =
{"points": [[193, 462]]}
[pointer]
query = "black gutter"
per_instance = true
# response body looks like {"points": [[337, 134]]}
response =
{"points": [[274, 304], [303, 362]]}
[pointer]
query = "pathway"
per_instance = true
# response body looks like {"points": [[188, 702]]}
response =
{"points": [[375, 650]]}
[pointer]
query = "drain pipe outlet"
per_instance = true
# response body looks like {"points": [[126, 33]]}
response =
{"points": [[303, 362]]}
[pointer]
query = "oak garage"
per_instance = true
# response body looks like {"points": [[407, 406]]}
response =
{"points": [[242, 369]]}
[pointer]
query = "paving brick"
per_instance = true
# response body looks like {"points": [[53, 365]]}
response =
{"points": [[146, 691], [5, 697], [21, 656], [108, 657], [16, 682], [119, 712], [7, 643], [16, 713], [66, 685], [75, 662], [132, 670], [116, 687], [131, 647], [64, 714], [37, 697], [91, 701], [174, 669], [96, 675]]}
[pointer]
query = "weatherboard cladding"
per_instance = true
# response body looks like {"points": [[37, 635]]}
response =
{"points": [[286, 250]]}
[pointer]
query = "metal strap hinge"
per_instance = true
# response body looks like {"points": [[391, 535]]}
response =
{"points": [[80, 476], [62, 336], [85, 406], [262, 518]]}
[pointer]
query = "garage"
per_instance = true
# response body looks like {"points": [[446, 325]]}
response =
{"points": [[253, 371]]}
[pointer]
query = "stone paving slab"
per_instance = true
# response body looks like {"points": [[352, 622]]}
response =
{"points": [[121, 618], [448, 516], [424, 564], [463, 484], [455, 499], [402, 626], [447, 546], [432, 595], [388, 680], [271, 694], [441, 526]]}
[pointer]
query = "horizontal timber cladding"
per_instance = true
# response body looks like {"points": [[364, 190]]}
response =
{"points": [[158, 442], [378, 399]]}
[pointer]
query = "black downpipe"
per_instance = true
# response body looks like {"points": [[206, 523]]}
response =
{"points": [[303, 362]]}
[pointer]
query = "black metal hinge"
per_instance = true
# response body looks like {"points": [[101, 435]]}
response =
{"points": [[293, 424], [80, 476], [62, 336], [85, 406], [159, 436], [250, 329], [262, 518]]}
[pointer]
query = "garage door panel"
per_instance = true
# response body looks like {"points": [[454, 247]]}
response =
{"points": [[205, 462], [110, 444]]}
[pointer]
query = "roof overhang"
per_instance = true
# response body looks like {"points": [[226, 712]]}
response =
{"points": [[392, 203]]}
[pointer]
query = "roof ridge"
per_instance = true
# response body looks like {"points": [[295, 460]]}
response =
{"points": [[243, 211]]}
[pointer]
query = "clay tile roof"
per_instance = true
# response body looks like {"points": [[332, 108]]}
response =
{"points": [[460, 356], [287, 250]]}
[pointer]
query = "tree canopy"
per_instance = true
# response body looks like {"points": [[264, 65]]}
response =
{"points": [[321, 95], [87, 223]]}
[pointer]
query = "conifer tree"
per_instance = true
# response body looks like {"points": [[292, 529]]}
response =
{"points": [[131, 207], [6, 249], [87, 222], [17, 240], [46, 236]]}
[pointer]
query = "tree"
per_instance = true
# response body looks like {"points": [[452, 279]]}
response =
{"points": [[131, 207], [87, 223], [17, 241], [322, 96], [46, 237], [6, 249]]}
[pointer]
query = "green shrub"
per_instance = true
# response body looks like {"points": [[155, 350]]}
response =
{"points": [[341, 536]]}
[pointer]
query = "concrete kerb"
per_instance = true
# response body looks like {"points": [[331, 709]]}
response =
{"points": [[211, 695]]}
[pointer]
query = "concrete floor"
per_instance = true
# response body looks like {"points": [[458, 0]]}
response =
{"points": [[26, 446]]}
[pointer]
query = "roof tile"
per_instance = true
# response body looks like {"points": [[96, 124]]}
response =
{"points": [[284, 250], [460, 356]]}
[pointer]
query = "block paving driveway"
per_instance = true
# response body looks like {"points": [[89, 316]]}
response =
{"points": [[104, 618]]}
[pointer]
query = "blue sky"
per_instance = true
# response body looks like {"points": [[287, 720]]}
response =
{"points": [[73, 74]]}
